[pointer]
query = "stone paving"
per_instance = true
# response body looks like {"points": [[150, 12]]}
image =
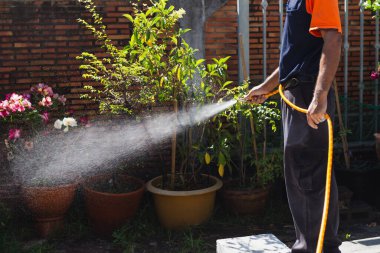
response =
{"points": [[363, 238], [268, 243]]}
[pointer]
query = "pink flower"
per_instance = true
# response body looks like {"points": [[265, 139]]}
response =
{"points": [[40, 87], [14, 107], [15, 97], [4, 108], [26, 103], [46, 101], [375, 75], [45, 117], [47, 91], [62, 99], [27, 96], [14, 134], [3, 113]]}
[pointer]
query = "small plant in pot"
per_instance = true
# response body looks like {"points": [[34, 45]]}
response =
{"points": [[234, 145], [183, 195], [157, 66], [113, 198], [48, 190], [28, 145]]}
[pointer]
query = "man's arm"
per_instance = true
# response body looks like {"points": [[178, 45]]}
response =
{"points": [[257, 93], [327, 68]]}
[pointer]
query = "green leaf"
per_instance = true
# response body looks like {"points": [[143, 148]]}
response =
{"points": [[132, 42], [221, 159], [142, 56], [162, 81], [200, 61], [226, 84], [179, 74], [129, 17]]}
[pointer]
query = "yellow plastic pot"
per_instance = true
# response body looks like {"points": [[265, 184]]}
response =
{"points": [[179, 209]]}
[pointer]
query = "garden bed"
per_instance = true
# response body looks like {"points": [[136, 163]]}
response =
{"points": [[145, 234]]}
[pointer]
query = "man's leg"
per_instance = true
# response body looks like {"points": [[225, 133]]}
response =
{"points": [[305, 161]]}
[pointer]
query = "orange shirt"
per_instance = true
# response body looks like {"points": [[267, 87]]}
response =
{"points": [[324, 15]]}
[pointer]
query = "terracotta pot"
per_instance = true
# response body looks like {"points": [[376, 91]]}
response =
{"points": [[48, 205], [179, 209], [10, 195], [244, 201], [109, 211]]}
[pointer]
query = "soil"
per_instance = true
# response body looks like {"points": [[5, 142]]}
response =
{"points": [[114, 184], [186, 183]]}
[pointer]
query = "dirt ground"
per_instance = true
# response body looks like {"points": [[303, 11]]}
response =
{"points": [[145, 235]]}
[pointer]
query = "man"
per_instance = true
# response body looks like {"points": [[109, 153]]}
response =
{"points": [[309, 59]]}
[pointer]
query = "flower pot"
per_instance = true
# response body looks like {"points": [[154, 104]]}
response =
{"points": [[109, 211], [179, 209], [48, 205], [245, 201], [10, 195]]}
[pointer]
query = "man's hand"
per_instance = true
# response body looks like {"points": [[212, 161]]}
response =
{"points": [[332, 41], [317, 110], [256, 95]]}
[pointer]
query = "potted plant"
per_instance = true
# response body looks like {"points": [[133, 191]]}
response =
{"points": [[171, 70], [156, 67], [26, 117], [236, 148], [113, 198]]}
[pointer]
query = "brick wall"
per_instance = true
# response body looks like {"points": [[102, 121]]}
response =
{"points": [[221, 37], [39, 41]]}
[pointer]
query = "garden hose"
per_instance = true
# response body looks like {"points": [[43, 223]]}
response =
{"points": [[329, 165]]}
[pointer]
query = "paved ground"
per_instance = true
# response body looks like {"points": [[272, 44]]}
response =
{"points": [[368, 245], [369, 241]]}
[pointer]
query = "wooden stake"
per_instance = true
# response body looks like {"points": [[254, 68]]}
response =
{"points": [[342, 128], [245, 75], [174, 146]]}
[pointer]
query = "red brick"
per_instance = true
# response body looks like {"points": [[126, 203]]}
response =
{"points": [[43, 50], [7, 69], [6, 33], [67, 27], [42, 62], [29, 45]]}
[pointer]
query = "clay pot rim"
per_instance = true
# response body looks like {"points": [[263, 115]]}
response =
{"points": [[153, 189], [94, 178], [52, 187], [248, 190]]}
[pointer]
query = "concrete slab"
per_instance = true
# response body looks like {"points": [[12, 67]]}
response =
{"points": [[268, 243], [369, 245], [263, 243]]}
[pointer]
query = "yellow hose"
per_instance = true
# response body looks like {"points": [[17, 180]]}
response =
{"points": [[329, 166]]}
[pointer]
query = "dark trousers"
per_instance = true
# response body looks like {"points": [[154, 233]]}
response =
{"points": [[305, 161]]}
